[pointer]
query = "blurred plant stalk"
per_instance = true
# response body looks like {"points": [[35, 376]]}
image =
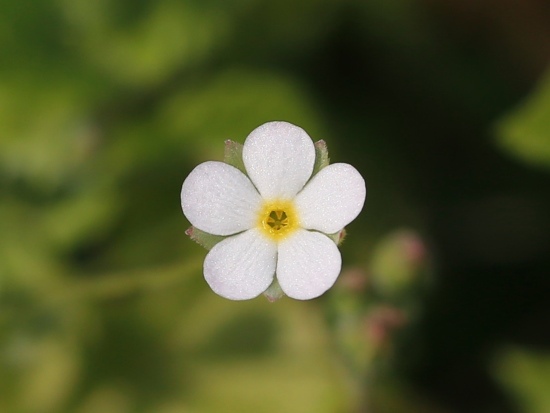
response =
{"points": [[370, 307]]}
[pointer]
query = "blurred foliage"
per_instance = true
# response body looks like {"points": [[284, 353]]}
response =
{"points": [[399, 260], [525, 132], [526, 374], [106, 106]]}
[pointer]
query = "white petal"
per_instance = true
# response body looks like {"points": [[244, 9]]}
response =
{"points": [[308, 264], [332, 199], [279, 158], [242, 266], [219, 199]]}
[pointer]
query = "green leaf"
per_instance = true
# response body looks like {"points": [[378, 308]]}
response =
{"points": [[526, 375], [525, 132]]}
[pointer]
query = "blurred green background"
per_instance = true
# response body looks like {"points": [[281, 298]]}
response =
{"points": [[442, 105]]}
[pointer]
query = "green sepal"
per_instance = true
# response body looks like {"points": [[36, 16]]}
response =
{"points": [[274, 292], [321, 156], [233, 155], [204, 239], [338, 237]]}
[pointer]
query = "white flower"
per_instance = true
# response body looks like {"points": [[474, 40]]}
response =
{"points": [[276, 218]]}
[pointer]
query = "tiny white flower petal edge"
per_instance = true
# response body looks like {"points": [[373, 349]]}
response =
{"points": [[332, 199], [219, 199], [241, 267], [279, 158], [308, 264]]}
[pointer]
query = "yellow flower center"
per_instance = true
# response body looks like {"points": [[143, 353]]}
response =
{"points": [[278, 219]]}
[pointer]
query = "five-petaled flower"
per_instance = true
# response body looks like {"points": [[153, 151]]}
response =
{"points": [[275, 218]]}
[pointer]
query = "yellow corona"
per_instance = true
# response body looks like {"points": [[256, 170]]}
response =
{"points": [[278, 219]]}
